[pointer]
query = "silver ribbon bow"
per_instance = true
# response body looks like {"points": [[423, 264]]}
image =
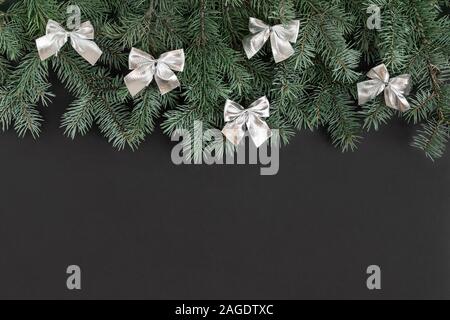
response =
{"points": [[395, 89], [145, 67], [81, 40], [280, 38], [238, 119]]}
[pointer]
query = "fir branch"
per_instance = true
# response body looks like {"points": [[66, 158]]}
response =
{"points": [[433, 138]]}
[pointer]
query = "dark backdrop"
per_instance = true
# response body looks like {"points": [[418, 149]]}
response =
{"points": [[141, 227]]}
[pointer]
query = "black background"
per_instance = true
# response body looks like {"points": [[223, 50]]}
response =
{"points": [[143, 228]]}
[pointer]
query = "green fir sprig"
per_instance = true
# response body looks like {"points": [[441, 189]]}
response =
{"points": [[316, 88]]}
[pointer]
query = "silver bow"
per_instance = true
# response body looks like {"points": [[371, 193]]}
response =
{"points": [[56, 37], [394, 89], [280, 38], [145, 67], [238, 119]]}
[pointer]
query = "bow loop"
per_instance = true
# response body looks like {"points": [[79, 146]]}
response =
{"points": [[145, 67], [85, 31], [260, 107], [81, 40], [280, 37], [238, 118], [232, 111], [289, 32], [380, 73], [174, 60], [54, 28], [256, 26], [140, 58], [395, 89]]}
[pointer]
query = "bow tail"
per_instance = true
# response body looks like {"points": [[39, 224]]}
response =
{"points": [[88, 49], [396, 100], [48, 46], [166, 79], [258, 130], [252, 44], [235, 130], [138, 80], [282, 49], [165, 86], [369, 90]]}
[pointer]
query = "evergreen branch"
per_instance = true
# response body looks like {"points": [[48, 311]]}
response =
{"points": [[432, 138]]}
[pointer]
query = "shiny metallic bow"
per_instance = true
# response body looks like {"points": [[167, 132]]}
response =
{"points": [[280, 38], [394, 89], [238, 119], [145, 67], [56, 37]]}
